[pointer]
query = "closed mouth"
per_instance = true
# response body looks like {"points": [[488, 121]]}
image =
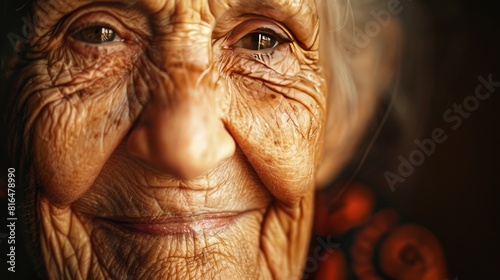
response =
{"points": [[175, 225]]}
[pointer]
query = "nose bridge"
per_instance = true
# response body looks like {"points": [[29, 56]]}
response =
{"points": [[184, 61]]}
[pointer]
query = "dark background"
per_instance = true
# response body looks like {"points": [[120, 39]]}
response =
{"points": [[455, 191]]}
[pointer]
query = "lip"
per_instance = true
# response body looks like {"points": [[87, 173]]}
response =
{"points": [[175, 225]]}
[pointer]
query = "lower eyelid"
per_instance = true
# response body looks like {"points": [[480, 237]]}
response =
{"points": [[95, 51]]}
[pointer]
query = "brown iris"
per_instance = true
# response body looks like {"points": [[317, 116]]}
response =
{"points": [[257, 41], [97, 35]]}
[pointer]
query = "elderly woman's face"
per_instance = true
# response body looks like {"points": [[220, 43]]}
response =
{"points": [[173, 138]]}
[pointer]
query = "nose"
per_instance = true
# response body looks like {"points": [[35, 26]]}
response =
{"points": [[180, 131]]}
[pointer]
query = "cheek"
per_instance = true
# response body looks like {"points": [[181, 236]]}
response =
{"points": [[276, 118], [76, 112], [73, 137]]}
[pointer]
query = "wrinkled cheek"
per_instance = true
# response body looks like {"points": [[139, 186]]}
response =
{"points": [[280, 138], [73, 138]]}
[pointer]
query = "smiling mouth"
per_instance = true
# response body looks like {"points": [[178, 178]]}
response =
{"points": [[175, 225]]}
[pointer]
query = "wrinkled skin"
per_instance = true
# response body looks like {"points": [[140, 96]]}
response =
{"points": [[176, 122], [177, 150]]}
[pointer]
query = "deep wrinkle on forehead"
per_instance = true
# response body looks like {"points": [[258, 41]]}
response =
{"points": [[300, 16], [154, 6]]}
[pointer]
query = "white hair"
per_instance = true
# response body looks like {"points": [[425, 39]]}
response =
{"points": [[405, 96]]}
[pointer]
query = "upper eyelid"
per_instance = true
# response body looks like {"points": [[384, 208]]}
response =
{"points": [[258, 25], [94, 19], [271, 32], [78, 28]]}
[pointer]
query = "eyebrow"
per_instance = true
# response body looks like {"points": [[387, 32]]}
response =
{"points": [[81, 3], [280, 10]]}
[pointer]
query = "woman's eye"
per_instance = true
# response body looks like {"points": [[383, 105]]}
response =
{"points": [[257, 41], [98, 35]]}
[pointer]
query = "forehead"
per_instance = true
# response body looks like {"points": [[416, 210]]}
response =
{"points": [[217, 7]]}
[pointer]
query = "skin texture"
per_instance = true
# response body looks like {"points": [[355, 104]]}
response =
{"points": [[176, 124], [172, 122]]}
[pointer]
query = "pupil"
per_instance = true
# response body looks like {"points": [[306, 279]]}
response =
{"points": [[99, 35], [255, 41], [259, 41], [265, 42]]}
